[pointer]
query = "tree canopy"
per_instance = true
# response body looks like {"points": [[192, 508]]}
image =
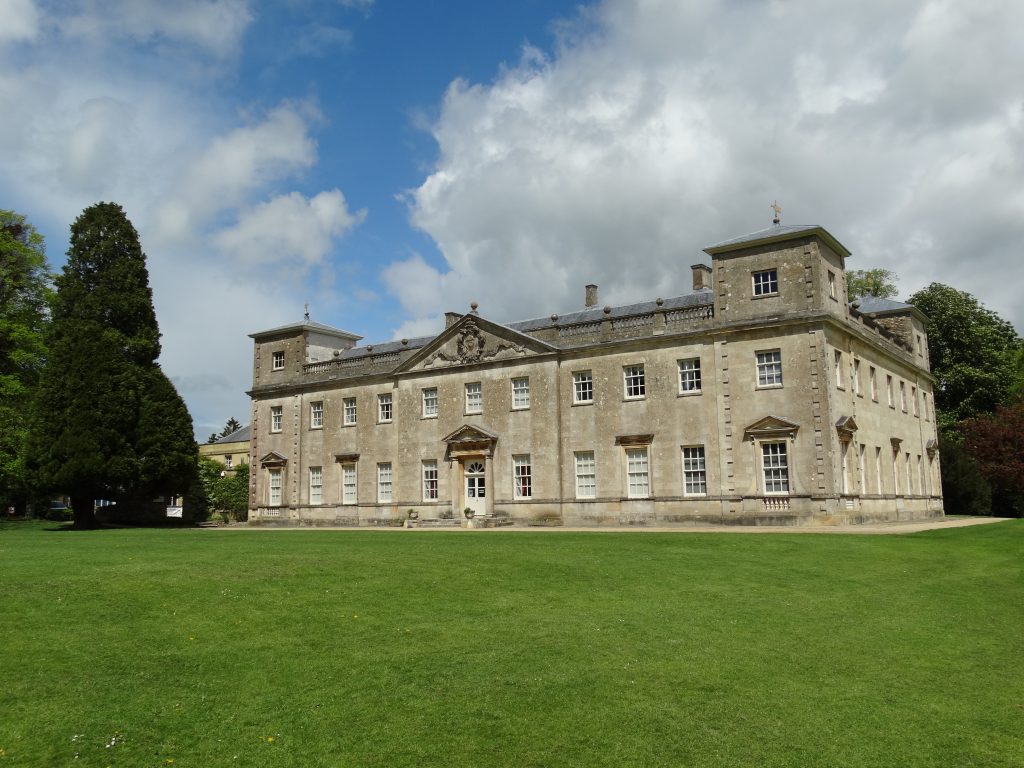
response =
{"points": [[25, 291], [871, 282], [107, 422], [973, 353]]}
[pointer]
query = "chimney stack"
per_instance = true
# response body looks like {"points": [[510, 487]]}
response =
{"points": [[591, 296], [701, 276], [451, 318]]}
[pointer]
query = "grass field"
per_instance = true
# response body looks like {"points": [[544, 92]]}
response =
{"points": [[405, 648]]}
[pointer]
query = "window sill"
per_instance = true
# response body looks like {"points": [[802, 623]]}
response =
{"points": [[350, 424], [428, 418], [389, 421], [768, 386], [634, 398], [520, 408], [757, 296], [315, 428], [690, 393], [582, 402]]}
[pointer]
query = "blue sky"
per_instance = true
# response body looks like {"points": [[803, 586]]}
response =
{"points": [[387, 161]]}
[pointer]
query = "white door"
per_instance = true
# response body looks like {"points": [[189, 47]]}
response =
{"points": [[476, 486]]}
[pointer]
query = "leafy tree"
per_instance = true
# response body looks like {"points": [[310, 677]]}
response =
{"points": [[964, 490], [107, 423], [226, 491], [232, 425], [871, 282], [973, 353], [25, 293], [996, 444]]}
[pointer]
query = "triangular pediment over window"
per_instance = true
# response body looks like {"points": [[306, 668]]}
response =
{"points": [[273, 459], [846, 426], [771, 427], [472, 340], [470, 440]]}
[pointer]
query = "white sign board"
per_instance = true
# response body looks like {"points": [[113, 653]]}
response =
{"points": [[174, 511]]}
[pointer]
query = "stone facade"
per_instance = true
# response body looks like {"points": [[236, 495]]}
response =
{"points": [[760, 397]]}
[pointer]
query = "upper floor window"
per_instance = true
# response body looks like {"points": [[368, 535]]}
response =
{"points": [[430, 402], [522, 476], [913, 399], [766, 282], [586, 475], [832, 284], [520, 393], [903, 396], [474, 397], [349, 405], [278, 361], [776, 468], [583, 387], [872, 379], [384, 407], [855, 380], [888, 390], [633, 378], [276, 416], [839, 368], [924, 404], [769, 368], [316, 415], [689, 375]]}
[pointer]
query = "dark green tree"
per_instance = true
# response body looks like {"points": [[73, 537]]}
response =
{"points": [[871, 282], [973, 353], [25, 292], [232, 425], [107, 423], [213, 438]]}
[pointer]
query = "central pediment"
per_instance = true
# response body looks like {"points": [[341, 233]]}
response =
{"points": [[470, 440], [472, 340], [771, 427]]}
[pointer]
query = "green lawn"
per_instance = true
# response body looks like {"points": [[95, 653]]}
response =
{"points": [[406, 648]]}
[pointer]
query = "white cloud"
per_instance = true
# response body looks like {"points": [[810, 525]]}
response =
{"points": [[289, 229], [20, 20], [214, 26], [658, 128]]}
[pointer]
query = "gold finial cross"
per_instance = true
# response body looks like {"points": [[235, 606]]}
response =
{"points": [[778, 211]]}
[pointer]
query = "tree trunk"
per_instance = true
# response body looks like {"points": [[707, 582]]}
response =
{"points": [[83, 510]]}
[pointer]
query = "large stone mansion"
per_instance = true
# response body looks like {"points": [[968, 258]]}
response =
{"points": [[761, 396]]}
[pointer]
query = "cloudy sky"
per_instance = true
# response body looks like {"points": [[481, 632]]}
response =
{"points": [[388, 160]]}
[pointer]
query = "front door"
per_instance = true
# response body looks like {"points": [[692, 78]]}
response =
{"points": [[475, 473]]}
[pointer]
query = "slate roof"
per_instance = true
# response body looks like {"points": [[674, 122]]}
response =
{"points": [[873, 305], [238, 436], [594, 314], [306, 325], [775, 233]]}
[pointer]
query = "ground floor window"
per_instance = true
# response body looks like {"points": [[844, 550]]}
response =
{"points": [[522, 476], [430, 480], [316, 485], [638, 473], [586, 475], [776, 468], [384, 482], [695, 480], [348, 483], [274, 498]]}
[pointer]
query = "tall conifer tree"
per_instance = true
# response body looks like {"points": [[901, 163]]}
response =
{"points": [[108, 423]]}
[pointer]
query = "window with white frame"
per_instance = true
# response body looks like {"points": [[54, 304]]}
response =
{"points": [[316, 485], [634, 384], [276, 417], [856, 377], [844, 460], [638, 474], [384, 482], [228, 460], [521, 393], [274, 486], [522, 477], [430, 480], [689, 376], [775, 466], [913, 399], [878, 470], [348, 483], [384, 408], [349, 405], [903, 396], [838, 368], [695, 479], [277, 363], [583, 387], [888, 390], [769, 368], [430, 403], [921, 489], [316, 415], [873, 383], [924, 404], [831, 284], [474, 397], [862, 471], [896, 471], [586, 475], [910, 479], [766, 282]]}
